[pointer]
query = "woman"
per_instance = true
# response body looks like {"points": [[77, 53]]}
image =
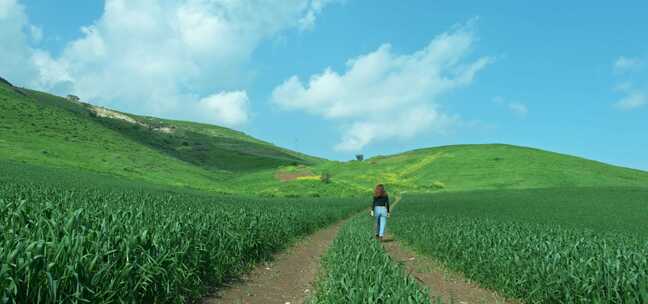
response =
{"points": [[380, 210]]}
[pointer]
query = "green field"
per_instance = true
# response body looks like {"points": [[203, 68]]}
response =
{"points": [[118, 207], [562, 245], [70, 243], [359, 271]]}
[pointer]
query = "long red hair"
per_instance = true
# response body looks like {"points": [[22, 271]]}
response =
{"points": [[380, 191]]}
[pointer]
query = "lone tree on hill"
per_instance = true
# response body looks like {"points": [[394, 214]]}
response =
{"points": [[73, 98], [359, 157]]}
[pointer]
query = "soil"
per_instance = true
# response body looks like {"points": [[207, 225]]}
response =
{"points": [[288, 176], [449, 286], [446, 285], [288, 278]]}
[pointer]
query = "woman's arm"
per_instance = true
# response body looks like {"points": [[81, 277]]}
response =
{"points": [[387, 205]]}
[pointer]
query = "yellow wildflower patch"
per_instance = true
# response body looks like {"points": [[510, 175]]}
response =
{"points": [[310, 177], [420, 164]]}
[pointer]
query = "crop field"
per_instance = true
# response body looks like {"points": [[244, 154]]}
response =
{"points": [[117, 207], [357, 270], [576, 245], [74, 244], [233, 151]]}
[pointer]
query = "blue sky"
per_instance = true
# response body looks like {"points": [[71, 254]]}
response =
{"points": [[334, 78]]}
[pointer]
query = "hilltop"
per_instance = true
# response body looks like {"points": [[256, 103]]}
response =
{"points": [[42, 130]]}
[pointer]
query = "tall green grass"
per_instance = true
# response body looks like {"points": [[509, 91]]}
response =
{"points": [[357, 270], [78, 245], [534, 245]]}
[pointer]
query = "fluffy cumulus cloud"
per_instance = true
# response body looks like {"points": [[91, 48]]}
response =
{"points": [[403, 124], [307, 22], [383, 95], [156, 57], [230, 108], [16, 44]]}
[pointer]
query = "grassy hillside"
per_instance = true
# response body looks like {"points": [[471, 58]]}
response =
{"points": [[221, 132], [46, 130], [471, 167], [37, 133], [449, 168], [210, 147], [43, 129]]}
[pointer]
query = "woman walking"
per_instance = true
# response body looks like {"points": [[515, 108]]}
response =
{"points": [[380, 209]]}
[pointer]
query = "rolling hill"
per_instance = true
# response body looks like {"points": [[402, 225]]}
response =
{"points": [[489, 166], [41, 129]]}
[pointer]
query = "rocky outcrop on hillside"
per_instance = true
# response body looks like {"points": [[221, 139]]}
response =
{"points": [[107, 113]]}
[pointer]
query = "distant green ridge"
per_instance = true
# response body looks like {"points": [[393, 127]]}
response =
{"points": [[489, 166]]}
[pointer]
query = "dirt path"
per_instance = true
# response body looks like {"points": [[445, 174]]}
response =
{"points": [[447, 285], [289, 278]]}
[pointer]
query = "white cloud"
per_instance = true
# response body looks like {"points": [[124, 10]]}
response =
{"points": [[227, 108], [9, 8], [632, 100], [383, 95], [624, 64], [51, 72], [633, 97], [307, 22], [153, 57], [405, 124], [15, 48], [36, 33]]}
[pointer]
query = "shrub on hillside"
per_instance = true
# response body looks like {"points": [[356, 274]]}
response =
{"points": [[325, 177]]}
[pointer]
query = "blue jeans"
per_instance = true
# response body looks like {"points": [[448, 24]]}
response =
{"points": [[381, 220]]}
